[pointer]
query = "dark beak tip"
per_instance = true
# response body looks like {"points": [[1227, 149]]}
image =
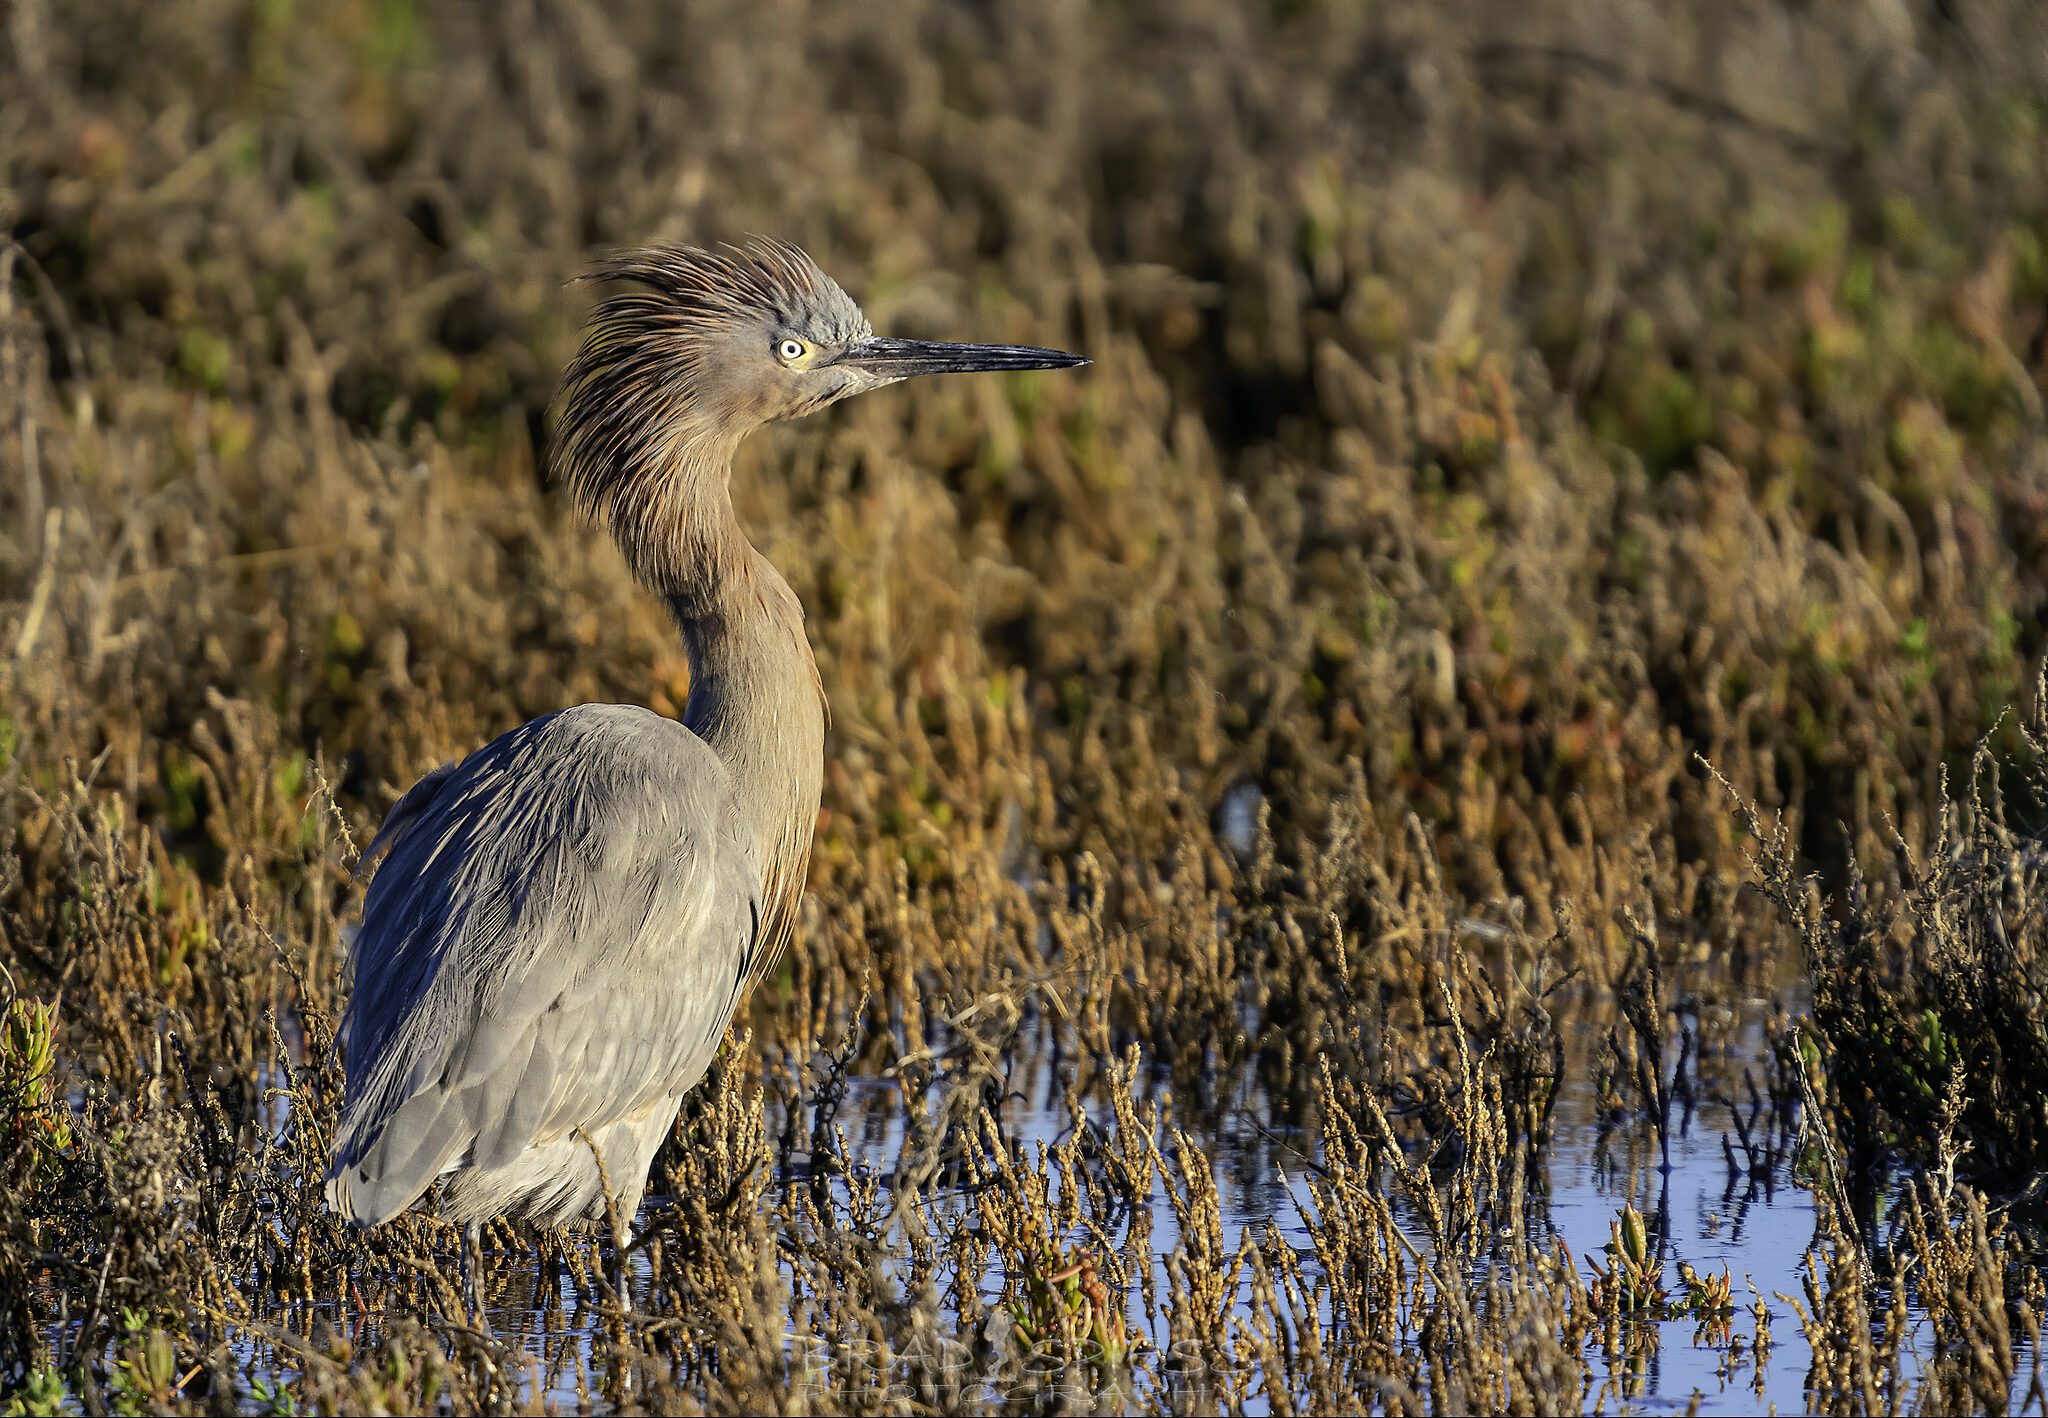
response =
{"points": [[1061, 359]]}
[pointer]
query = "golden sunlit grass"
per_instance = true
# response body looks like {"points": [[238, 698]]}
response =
{"points": [[1485, 435]]}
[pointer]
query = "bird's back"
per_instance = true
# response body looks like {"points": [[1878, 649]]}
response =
{"points": [[549, 954]]}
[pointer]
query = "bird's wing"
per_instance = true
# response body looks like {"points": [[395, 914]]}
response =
{"points": [[555, 941], [404, 813]]}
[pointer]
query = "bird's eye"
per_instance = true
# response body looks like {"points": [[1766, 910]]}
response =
{"points": [[789, 351]]}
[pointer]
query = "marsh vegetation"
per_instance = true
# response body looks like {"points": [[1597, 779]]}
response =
{"points": [[1518, 661]]}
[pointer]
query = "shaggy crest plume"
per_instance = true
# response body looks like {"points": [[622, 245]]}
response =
{"points": [[633, 399]]}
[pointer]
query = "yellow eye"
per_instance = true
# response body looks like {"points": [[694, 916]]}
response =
{"points": [[789, 351]]}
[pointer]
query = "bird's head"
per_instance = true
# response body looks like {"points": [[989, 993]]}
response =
{"points": [[699, 347]]}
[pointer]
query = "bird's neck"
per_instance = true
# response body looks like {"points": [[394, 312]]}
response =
{"points": [[754, 691], [755, 697]]}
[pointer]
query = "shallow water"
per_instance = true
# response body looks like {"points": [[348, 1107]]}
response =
{"points": [[1699, 1208], [1759, 1230]]}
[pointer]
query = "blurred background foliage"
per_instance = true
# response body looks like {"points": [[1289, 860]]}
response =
{"points": [[1528, 397]]}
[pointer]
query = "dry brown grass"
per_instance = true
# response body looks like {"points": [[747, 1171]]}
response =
{"points": [[1490, 419]]}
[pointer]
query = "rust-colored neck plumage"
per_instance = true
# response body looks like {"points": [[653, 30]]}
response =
{"points": [[755, 697], [756, 700]]}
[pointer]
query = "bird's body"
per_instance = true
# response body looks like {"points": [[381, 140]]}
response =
{"points": [[602, 823], [564, 922]]}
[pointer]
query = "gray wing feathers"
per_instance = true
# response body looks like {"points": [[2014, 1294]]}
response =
{"points": [[404, 813], [550, 944]]}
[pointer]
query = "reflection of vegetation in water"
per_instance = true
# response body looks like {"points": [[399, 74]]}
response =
{"points": [[1484, 430], [1929, 1028]]}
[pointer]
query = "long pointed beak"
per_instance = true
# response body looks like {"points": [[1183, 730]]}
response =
{"points": [[905, 359]]}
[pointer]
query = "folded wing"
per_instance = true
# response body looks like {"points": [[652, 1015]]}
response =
{"points": [[555, 940]]}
